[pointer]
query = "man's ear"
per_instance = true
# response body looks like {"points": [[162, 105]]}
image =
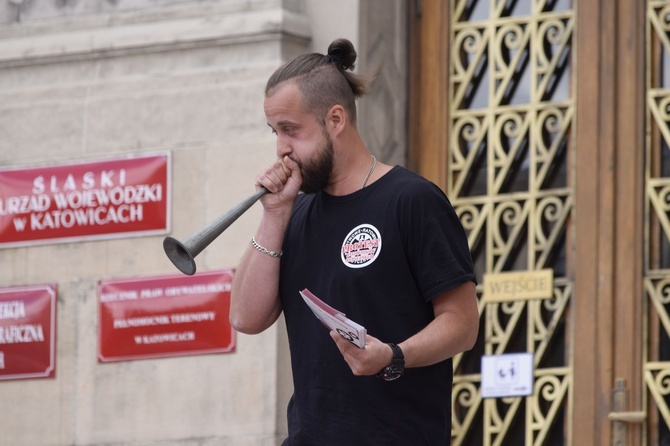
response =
{"points": [[336, 119]]}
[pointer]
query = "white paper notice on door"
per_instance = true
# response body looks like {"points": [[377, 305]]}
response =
{"points": [[506, 375]]}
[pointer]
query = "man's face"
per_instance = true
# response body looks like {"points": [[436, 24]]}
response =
{"points": [[301, 136]]}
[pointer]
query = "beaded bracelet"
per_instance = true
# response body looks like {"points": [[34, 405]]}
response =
{"points": [[255, 244]]}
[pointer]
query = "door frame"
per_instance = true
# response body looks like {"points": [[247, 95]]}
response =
{"points": [[610, 214], [609, 191]]}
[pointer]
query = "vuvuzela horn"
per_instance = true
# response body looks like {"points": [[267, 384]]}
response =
{"points": [[183, 254]]}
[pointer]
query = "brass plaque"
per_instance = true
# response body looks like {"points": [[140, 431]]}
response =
{"points": [[518, 285]]}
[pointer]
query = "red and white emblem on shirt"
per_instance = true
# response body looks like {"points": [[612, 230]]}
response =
{"points": [[361, 246]]}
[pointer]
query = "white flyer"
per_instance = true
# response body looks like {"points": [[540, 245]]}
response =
{"points": [[335, 320]]}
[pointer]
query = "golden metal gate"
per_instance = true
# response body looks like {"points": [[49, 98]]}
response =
{"points": [[510, 178]]}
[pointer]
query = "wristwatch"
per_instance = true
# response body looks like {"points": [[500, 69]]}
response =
{"points": [[397, 366]]}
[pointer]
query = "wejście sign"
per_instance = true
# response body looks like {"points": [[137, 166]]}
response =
{"points": [[518, 285]]}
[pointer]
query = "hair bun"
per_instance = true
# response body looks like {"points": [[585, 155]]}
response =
{"points": [[342, 53]]}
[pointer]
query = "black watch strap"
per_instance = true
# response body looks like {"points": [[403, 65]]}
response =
{"points": [[397, 366], [398, 356]]}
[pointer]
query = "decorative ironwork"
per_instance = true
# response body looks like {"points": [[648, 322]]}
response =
{"points": [[511, 99], [656, 368], [656, 372]]}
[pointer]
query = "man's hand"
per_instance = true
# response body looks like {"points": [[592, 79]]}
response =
{"points": [[283, 179], [364, 361]]}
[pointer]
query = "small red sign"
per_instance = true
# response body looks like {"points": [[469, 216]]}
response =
{"points": [[111, 198], [163, 316], [28, 332]]}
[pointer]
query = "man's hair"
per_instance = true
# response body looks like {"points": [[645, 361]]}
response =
{"points": [[324, 80]]}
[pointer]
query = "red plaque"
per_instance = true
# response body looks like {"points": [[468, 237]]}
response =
{"points": [[28, 332], [112, 198], [163, 316]]}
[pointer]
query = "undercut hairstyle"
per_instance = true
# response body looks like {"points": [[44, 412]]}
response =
{"points": [[324, 80]]}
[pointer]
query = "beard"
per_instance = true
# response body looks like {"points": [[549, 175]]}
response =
{"points": [[316, 172]]}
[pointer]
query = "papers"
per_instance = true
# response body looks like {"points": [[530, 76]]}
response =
{"points": [[335, 320]]}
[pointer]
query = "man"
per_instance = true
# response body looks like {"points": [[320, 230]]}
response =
{"points": [[376, 242]]}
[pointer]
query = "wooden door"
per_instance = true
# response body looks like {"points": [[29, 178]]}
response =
{"points": [[546, 122]]}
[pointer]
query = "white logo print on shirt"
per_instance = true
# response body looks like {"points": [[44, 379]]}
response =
{"points": [[361, 246]]}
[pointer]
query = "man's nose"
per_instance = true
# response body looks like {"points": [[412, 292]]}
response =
{"points": [[283, 147]]}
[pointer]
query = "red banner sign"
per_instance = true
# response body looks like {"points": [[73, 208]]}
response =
{"points": [[28, 332], [112, 198], [165, 316]]}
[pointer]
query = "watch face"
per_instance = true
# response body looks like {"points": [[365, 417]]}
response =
{"points": [[392, 372]]}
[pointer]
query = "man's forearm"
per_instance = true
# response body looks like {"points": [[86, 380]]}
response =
{"points": [[454, 329], [255, 304]]}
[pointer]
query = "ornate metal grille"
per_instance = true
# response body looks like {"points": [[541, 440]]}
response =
{"points": [[657, 224], [511, 112]]}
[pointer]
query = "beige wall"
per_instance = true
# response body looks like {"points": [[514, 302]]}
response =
{"points": [[87, 80]]}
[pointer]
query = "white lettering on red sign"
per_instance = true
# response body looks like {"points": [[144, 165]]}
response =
{"points": [[13, 309], [88, 181], [17, 334], [104, 198], [160, 338]]}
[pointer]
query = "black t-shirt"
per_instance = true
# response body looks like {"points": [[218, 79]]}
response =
{"points": [[379, 255]]}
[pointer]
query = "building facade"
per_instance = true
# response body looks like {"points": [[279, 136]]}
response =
{"points": [[83, 81], [545, 121]]}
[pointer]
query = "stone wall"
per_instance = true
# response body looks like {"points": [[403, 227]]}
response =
{"points": [[86, 80]]}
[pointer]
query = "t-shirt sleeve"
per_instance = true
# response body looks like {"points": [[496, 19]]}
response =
{"points": [[436, 244]]}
